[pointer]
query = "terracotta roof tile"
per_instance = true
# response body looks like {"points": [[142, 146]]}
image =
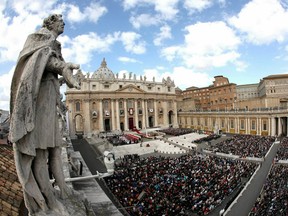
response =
{"points": [[11, 196]]}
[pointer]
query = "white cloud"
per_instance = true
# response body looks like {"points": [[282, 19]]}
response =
{"points": [[184, 77], [165, 33], [211, 44], [92, 13], [132, 44], [165, 10], [197, 5], [80, 49], [5, 84], [144, 20], [126, 59], [262, 21]]}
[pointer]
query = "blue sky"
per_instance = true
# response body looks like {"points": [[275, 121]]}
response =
{"points": [[189, 40]]}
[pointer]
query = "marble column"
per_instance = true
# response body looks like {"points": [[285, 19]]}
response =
{"points": [[143, 115], [101, 127], [136, 114], [113, 114], [175, 120], [126, 116], [117, 115], [155, 114]]}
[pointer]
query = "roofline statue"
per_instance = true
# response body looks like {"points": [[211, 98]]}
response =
{"points": [[34, 125]]}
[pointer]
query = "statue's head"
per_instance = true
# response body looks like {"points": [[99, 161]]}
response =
{"points": [[54, 23]]}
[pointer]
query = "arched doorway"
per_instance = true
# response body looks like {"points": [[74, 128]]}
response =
{"points": [[122, 126], [170, 117], [131, 123], [150, 121], [107, 125]]}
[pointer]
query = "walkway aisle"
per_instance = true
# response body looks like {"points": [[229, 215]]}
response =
{"points": [[247, 199]]}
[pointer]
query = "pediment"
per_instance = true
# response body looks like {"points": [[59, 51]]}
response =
{"points": [[130, 89]]}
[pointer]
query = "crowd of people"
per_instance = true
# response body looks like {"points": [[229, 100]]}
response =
{"points": [[177, 131], [208, 138], [245, 145], [282, 152], [185, 185], [274, 198]]}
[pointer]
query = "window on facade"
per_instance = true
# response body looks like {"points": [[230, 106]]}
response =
{"points": [[139, 104], [93, 87], [265, 125], [121, 104], [198, 121], [222, 123], [205, 122], [158, 88], [169, 89], [213, 123], [130, 104], [138, 87], [149, 87], [253, 125], [231, 123], [77, 106], [242, 124], [120, 86], [106, 86], [106, 104]]}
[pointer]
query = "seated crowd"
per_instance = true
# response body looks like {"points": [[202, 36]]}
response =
{"points": [[208, 138], [177, 131], [274, 198], [282, 153], [246, 145], [185, 185]]}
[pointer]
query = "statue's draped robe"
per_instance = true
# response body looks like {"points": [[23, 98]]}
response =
{"points": [[34, 97]]}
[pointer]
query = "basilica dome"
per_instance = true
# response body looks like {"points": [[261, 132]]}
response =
{"points": [[103, 72]]}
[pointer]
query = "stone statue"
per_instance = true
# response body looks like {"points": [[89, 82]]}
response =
{"points": [[130, 75], [134, 77], [141, 77], [124, 76], [34, 125]]}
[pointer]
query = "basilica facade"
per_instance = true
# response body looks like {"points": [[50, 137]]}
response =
{"points": [[107, 102]]}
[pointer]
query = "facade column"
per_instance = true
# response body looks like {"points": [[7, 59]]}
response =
{"points": [[155, 114], [86, 118], [113, 114], [279, 126], [143, 115], [228, 124], [136, 114], [71, 119], [165, 114], [269, 127], [249, 125], [117, 115], [273, 121], [146, 113], [175, 115], [260, 126], [246, 126], [101, 128], [125, 115]]}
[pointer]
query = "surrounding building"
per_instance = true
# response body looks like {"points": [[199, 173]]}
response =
{"points": [[108, 102]]}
